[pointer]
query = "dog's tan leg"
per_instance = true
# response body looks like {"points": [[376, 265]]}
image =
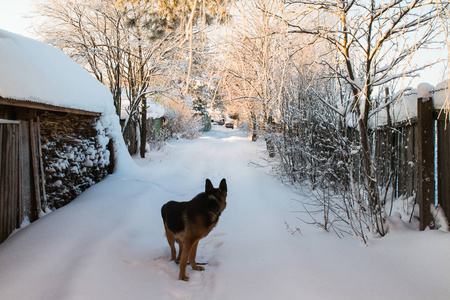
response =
{"points": [[180, 250], [192, 258], [180, 246], [187, 246], [171, 240]]}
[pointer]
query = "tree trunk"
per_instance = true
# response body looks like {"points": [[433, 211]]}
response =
{"points": [[143, 127]]}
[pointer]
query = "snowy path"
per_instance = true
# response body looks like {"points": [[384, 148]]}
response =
{"points": [[109, 243]]}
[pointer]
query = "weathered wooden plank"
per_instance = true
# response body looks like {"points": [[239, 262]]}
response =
{"points": [[41, 164], [16, 190], [26, 174], [35, 168], [426, 161], [401, 162], [394, 160], [2, 187], [8, 179], [14, 187], [443, 166], [409, 161], [416, 155], [9, 169]]}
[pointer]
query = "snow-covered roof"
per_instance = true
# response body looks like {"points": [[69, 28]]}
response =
{"points": [[34, 71]]}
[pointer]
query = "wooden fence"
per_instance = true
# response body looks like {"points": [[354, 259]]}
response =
{"points": [[413, 157]]}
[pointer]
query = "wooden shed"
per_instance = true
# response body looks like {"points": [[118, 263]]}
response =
{"points": [[52, 142]]}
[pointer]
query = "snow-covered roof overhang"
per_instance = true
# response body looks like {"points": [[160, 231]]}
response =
{"points": [[34, 72]]}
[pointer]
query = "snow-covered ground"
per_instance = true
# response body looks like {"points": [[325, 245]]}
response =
{"points": [[109, 243]]}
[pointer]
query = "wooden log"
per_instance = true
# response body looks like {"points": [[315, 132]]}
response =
{"points": [[426, 161]]}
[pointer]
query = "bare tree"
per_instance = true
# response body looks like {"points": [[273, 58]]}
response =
{"points": [[304, 95], [255, 61], [120, 46], [91, 32]]}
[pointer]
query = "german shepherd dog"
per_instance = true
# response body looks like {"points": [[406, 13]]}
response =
{"points": [[188, 222]]}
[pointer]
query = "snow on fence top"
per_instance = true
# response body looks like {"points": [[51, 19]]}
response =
{"points": [[442, 95], [37, 72], [405, 106]]}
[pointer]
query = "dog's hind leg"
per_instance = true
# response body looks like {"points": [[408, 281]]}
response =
{"points": [[180, 246], [171, 240], [192, 256], [187, 247]]}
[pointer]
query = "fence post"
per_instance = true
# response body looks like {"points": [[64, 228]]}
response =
{"points": [[426, 161]]}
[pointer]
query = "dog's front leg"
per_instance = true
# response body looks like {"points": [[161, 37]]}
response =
{"points": [[192, 258], [187, 246]]}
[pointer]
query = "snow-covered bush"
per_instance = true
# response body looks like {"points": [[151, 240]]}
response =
{"points": [[156, 138], [181, 123]]}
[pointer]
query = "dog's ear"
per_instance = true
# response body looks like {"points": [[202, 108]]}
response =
{"points": [[208, 185], [223, 185]]}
